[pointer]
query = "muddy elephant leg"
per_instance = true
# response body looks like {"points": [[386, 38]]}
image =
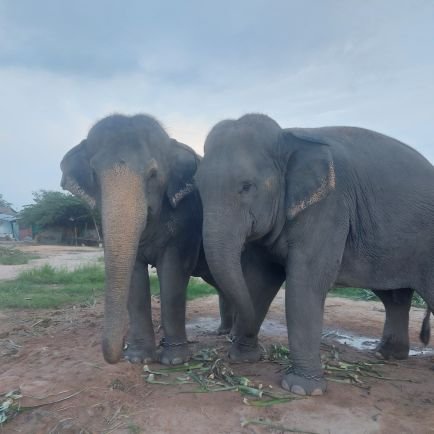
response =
{"points": [[140, 341], [263, 280], [173, 292], [395, 341]]}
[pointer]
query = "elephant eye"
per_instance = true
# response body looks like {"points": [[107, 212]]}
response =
{"points": [[246, 186], [152, 173]]}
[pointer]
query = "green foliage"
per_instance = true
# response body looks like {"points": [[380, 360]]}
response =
{"points": [[58, 276], [368, 295], [354, 293], [51, 288], [51, 208], [4, 202], [196, 288], [134, 429], [11, 256], [47, 287]]}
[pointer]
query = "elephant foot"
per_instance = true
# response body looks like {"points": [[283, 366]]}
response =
{"points": [[173, 353], [224, 329], [137, 352], [391, 349], [245, 350], [303, 384]]}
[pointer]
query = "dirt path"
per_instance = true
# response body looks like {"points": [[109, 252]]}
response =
{"points": [[47, 352]]}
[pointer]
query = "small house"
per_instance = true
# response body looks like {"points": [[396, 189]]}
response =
{"points": [[9, 229]]}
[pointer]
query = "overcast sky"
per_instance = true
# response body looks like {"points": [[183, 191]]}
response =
{"points": [[64, 65]]}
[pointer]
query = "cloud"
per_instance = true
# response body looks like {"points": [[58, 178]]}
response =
{"points": [[190, 64]]}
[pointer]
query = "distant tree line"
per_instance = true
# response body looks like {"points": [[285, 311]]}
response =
{"points": [[57, 209]]}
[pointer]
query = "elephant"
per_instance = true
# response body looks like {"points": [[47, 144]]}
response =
{"points": [[141, 180], [331, 206]]}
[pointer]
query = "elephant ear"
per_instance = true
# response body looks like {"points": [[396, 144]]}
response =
{"points": [[183, 165], [77, 174], [310, 173]]}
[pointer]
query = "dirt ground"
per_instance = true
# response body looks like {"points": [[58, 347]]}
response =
{"points": [[55, 354]]}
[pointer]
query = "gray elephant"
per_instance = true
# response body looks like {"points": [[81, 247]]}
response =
{"points": [[142, 182], [327, 206]]}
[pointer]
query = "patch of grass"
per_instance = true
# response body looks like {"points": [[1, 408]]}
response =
{"points": [[134, 429], [12, 256], [354, 293], [196, 288], [50, 288], [368, 295]]}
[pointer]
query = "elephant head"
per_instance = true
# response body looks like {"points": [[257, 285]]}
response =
{"points": [[126, 167], [254, 178]]}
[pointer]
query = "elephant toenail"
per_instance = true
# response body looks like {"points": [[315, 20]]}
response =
{"points": [[285, 385], [317, 392], [176, 361], [298, 390]]}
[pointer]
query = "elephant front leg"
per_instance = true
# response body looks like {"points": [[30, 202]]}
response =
{"points": [[395, 341], [304, 313], [311, 270], [173, 293], [263, 280], [140, 341]]}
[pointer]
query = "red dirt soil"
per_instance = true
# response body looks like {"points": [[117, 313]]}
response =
{"points": [[48, 352]]}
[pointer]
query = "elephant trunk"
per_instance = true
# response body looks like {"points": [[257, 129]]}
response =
{"points": [[223, 246], [124, 214]]}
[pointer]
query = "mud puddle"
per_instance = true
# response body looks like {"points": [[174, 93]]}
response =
{"points": [[270, 328], [368, 343]]}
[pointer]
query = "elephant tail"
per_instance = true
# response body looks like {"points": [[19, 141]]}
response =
{"points": [[425, 331]]}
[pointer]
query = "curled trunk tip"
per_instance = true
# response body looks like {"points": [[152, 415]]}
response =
{"points": [[112, 354]]}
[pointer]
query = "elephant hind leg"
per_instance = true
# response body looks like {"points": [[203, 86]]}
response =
{"points": [[395, 341], [425, 332]]}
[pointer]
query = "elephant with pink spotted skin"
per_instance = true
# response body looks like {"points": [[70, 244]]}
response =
{"points": [[335, 206]]}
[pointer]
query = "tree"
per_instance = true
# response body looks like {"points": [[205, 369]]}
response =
{"points": [[4, 202], [54, 208]]}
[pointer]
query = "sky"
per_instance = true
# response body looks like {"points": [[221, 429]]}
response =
{"points": [[192, 63]]}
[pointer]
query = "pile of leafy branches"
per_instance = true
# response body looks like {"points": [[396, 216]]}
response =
{"points": [[336, 369], [9, 405], [209, 373]]}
